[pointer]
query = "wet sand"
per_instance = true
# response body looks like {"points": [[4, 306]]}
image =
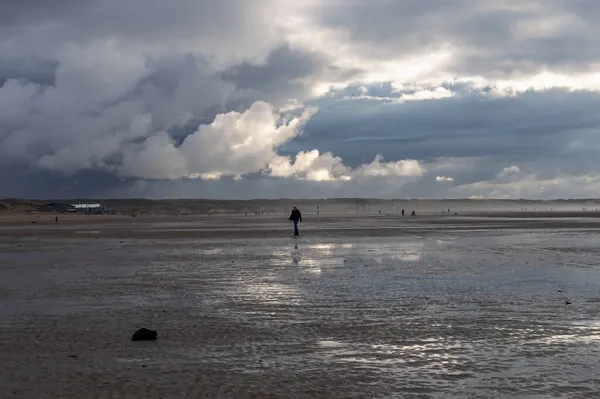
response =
{"points": [[384, 307]]}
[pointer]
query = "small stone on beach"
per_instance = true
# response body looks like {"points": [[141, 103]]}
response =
{"points": [[143, 334]]}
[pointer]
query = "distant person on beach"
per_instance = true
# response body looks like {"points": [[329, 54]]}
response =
{"points": [[402, 212], [296, 217]]}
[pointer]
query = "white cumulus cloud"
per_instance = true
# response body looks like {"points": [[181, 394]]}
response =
{"points": [[234, 144], [509, 171], [326, 167], [241, 143]]}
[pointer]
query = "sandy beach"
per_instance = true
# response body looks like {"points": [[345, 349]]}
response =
{"points": [[430, 306]]}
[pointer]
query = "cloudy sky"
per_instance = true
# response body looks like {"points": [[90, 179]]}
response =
{"points": [[303, 98]]}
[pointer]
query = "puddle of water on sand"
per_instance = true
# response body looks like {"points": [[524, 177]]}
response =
{"points": [[429, 354], [330, 344], [44, 306], [20, 256], [312, 266], [579, 334], [466, 308], [323, 247], [296, 254], [265, 292], [411, 252], [511, 363], [212, 251]]}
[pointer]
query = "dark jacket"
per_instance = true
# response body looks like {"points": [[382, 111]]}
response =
{"points": [[296, 215]]}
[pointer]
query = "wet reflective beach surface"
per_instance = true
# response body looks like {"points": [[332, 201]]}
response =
{"points": [[427, 310]]}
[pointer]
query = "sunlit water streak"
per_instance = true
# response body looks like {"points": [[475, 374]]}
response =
{"points": [[441, 316]]}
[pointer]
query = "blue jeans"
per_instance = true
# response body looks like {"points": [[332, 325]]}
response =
{"points": [[296, 228]]}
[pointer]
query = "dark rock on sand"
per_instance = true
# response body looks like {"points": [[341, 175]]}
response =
{"points": [[143, 334]]}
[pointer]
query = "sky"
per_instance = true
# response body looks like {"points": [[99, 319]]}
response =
{"points": [[237, 99]]}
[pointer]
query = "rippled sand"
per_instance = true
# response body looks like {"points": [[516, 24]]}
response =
{"points": [[388, 308]]}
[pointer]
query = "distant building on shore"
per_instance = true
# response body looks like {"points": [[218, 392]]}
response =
{"points": [[87, 208]]}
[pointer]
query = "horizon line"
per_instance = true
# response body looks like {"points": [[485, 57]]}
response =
{"points": [[3, 199]]}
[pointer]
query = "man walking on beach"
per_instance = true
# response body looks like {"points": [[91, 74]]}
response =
{"points": [[296, 217]]}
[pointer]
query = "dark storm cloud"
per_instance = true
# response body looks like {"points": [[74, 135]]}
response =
{"points": [[492, 38], [130, 18], [83, 82], [532, 124], [281, 66], [81, 129], [176, 85], [22, 181], [278, 77], [227, 30], [470, 138], [30, 69], [108, 96], [15, 13], [101, 184]]}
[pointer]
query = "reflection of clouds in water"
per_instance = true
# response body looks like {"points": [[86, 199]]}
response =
{"points": [[409, 252], [581, 334], [323, 246], [402, 251], [436, 353], [323, 249], [280, 252], [212, 251], [330, 344], [479, 342], [296, 254], [266, 288], [312, 266], [265, 292]]}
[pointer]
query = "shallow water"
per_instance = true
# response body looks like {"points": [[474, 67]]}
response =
{"points": [[432, 315]]}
